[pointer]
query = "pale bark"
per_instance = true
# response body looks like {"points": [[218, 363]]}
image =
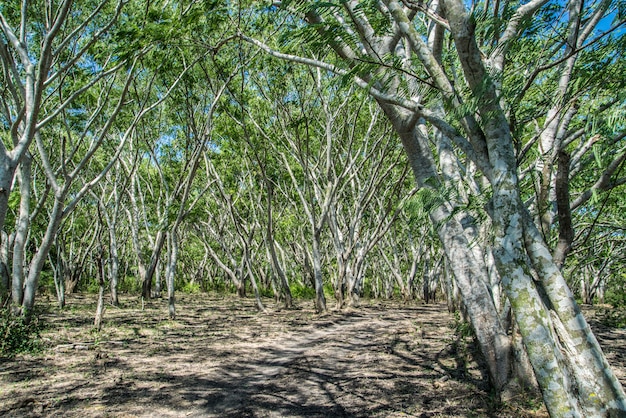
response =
{"points": [[114, 262], [170, 271], [4, 270], [278, 270], [21, 231], [571, 370], [470, 272], [554, 333], [36, 263], [403, 114], [101, 285], [30, 73]]}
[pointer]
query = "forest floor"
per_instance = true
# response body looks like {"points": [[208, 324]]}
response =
{"points": [[221, 358]]}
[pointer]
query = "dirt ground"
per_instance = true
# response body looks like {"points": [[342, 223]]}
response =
{"points": [[221, 358]]}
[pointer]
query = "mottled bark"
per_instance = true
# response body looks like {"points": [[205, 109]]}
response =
{"points": [[571, 370], [470, 272]]}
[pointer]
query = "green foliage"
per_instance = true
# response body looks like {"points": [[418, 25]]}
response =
{"points": [[266, 292], [462, 328], [615, 316], [129, 284], [191, 288], [300, 291], [17, 336]]}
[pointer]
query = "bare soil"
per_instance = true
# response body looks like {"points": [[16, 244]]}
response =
{"points": [[222, 358]]}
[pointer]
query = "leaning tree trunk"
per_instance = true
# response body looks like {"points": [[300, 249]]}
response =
{"points": [[4, 269], [146, 286], [470, 271], [572, 372], [37, 262], [599, 391]]}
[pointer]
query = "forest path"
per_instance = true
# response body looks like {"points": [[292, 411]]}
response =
{"points": [[220, 358]]}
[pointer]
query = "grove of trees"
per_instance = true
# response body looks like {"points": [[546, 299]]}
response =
{"points": [[466, 151]]}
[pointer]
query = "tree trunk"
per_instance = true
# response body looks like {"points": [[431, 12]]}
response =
{"points": [[37, 262], [171, 272], [114, 262], [146, 286], [59, 277], [7, 172], [285, 292], [598, 392], [21, 231], [320, 299], [100, 307], [470, 272], [4, 269]]}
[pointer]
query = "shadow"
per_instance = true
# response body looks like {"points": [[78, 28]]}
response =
{"points": [[232, 362]]}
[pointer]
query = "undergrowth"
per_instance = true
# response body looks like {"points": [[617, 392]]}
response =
{"points": [[17, 336]]}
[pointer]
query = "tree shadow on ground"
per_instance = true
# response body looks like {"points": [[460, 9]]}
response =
{"points": [[229, 361]]}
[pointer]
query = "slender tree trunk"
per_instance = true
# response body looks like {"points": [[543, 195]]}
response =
{"points": [[59, 276], [114, 266], [285, 292], [4, 269], [146, 286], [171, 272], [21, 231], [101, 285], [320, 299], [8, 167], [37, 262]]}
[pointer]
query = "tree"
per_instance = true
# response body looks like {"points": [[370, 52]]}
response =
{"points": [[396, 52]]}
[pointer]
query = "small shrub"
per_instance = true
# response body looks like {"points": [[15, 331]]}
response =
{"points": [[16, 336]]}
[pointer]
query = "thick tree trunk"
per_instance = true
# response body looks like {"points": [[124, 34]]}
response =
{"points": [[598, 391], [470, 272]]}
